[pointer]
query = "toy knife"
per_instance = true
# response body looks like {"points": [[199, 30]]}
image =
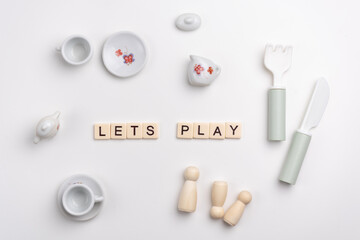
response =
{"points": [[302, 137]]}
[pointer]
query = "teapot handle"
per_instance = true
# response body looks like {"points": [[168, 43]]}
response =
{"points": [[217, 70]]}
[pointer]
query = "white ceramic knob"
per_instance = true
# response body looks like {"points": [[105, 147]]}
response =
{"points": [[188, 22]]}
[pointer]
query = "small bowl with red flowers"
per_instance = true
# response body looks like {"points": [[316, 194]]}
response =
{"points": [[124, 54]]}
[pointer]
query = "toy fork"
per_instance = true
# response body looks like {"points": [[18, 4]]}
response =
{"points": [[277, 60]]}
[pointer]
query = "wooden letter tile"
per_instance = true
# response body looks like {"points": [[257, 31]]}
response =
{"points": [[233, 130], [150, 130], [185, 130], [118, 131], [133, 130], [217, 130], [201, 130], [102, 131]]}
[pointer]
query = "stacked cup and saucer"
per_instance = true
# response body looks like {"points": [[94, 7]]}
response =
{"points": [[80, 197]]}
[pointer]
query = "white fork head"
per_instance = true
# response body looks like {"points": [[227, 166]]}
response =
{"points": [[277, 60]]}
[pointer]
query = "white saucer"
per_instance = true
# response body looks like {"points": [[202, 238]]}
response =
{"points": [[90, 182], [124, 54]]}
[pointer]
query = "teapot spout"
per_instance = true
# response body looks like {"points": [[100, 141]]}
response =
{"points": [[194, 57], [56, 115], [36, 139]]}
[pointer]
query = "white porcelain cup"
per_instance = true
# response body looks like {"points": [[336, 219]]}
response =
{"points": [[76, 50], [78, 199]]}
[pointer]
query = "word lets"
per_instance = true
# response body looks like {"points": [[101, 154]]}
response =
{"points": [[209, 130], [103, 131]]}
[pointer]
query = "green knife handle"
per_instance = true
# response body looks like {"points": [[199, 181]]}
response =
{"points": [[295, 158], [277, 114]]}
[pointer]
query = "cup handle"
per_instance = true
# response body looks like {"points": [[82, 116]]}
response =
{"points": [[99, 198], [58, 49]]}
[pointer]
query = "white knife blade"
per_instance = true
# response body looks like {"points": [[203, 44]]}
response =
{"points": [[316, 107]]}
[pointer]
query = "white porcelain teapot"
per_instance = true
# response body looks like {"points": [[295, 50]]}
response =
{"points": [[47, 127], [202, 71]]}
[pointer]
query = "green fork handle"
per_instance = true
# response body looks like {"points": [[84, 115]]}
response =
{"points": [[277, 114]]}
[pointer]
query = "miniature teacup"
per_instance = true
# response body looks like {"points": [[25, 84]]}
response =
{"points": [[202, 71], [76, 50], [78, 199]]}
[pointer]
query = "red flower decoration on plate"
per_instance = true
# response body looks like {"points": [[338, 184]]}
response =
{"points": [[210, 70], [118, 52], [198, 68], [129, 59]]}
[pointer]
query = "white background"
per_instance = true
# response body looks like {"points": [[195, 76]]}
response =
{"points": [[142, 179]]}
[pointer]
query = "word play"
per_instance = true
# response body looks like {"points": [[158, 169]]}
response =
{"points": [[209, 130]]}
